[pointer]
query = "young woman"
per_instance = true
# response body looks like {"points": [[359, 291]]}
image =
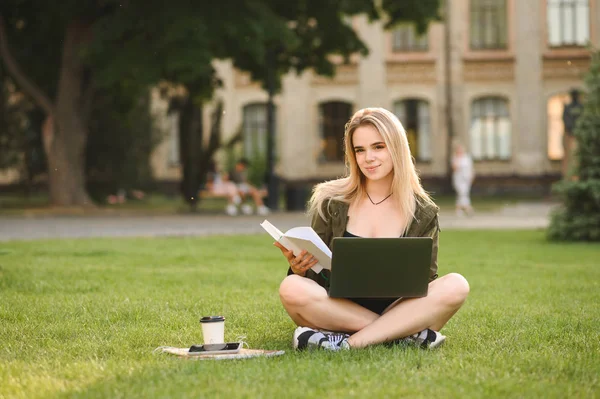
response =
{"points": [[381, 197]]}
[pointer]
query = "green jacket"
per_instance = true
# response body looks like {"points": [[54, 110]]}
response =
{"points": [[424, 224]]}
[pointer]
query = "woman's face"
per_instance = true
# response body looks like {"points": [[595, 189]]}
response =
{"points": [[372, 155]]}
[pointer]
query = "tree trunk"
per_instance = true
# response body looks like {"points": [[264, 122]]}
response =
{"points": [[214, 143], [190, 147], [65, 130], [448, 88], [65, 135]]}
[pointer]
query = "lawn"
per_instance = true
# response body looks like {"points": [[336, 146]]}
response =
{"points": [[80, 318]]}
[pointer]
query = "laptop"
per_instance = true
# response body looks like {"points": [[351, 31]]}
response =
{"points": [[380, 267]]}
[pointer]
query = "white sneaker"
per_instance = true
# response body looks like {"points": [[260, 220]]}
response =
{"points": [[426, 339], [263, 210], [247, 209], [308, 338], [231, 210], [439, 339]]}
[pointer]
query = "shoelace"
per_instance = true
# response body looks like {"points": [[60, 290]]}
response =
{"points": [[335, 340]]}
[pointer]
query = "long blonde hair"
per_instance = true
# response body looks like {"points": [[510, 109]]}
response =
{"points": [[406, 184]]}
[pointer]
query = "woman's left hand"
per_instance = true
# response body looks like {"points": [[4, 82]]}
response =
{"points": [[299, 264]]}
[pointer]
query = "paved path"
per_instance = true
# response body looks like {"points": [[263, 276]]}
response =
{"points": [[525, 216]]}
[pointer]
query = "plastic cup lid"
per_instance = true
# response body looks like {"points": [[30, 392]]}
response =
{"points": [[212, 319]]}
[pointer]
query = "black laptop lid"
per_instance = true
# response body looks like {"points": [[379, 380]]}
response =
{"points": [[380, 267]]}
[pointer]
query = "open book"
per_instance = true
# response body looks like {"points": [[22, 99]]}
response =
{"points": [[299, 238]]}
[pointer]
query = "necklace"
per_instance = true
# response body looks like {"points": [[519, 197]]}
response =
{"points": [[377, 203]]}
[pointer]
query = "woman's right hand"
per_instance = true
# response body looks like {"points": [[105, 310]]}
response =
{"points": [[299, 264]]}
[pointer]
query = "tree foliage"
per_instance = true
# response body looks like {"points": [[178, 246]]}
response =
{"points": [[63, 55], [12, 124], [579, 217], [122, 137]]}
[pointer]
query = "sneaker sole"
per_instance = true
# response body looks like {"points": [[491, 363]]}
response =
{"points": [[438, 342]]}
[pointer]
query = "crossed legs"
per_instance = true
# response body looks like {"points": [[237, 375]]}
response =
{"points": [[308, 305]]}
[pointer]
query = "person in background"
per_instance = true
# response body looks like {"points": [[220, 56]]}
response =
{"points": [[463, 175], [218, 184], [239, 176], [381, 196], [571, 113]]}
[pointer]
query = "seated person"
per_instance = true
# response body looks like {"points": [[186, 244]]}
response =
{"points": [[218, 184], [239, 176]]}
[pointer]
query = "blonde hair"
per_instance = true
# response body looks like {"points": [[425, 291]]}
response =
{"points": [[406, 184]]}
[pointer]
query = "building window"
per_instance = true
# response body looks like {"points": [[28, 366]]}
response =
{"points": [[333, 117], [568, 22], [406, 39], [414, 116], [254, 130], [490, 131], [489, 29]]}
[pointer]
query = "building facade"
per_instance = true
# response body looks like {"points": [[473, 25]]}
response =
{"points": [[503, 67]]}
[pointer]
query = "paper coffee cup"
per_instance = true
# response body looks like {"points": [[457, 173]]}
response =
{"points": [[213, 329]]}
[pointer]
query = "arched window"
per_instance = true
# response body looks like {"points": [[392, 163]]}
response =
{"points": [[415, 117], [568, 22], [556, 128], [490, 130], [333, 116], [489, 28], [254, 130]]}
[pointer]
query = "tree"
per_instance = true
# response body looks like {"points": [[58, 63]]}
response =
{"points": [[295, 36], [82, 47], [64, 94], [122, 137], [12, 118], [579, 217]]}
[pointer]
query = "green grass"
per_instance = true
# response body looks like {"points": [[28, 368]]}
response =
{"points": [[80, 318]]}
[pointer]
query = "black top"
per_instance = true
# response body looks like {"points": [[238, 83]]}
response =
{"points": [[374, 305], [348, 234]]}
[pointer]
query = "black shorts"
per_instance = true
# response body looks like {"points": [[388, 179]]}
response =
{"points": [[375, 305]]}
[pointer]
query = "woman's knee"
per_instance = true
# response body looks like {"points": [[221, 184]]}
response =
{"points": [[296, 290], [454, 290]]}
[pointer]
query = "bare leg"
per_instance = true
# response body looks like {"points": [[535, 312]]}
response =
{"points": [[256, 197], [566, 154], [308, 305], [445, 297], [229, 189]]}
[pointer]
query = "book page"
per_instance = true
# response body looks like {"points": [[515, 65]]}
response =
{"points": [[272, 230], [324, 258], [302, 238], [308, 239], [307, 233]]}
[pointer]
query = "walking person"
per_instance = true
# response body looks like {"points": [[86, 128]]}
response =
{"points": [[571, 114], [463, 175], [381, 196]]}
